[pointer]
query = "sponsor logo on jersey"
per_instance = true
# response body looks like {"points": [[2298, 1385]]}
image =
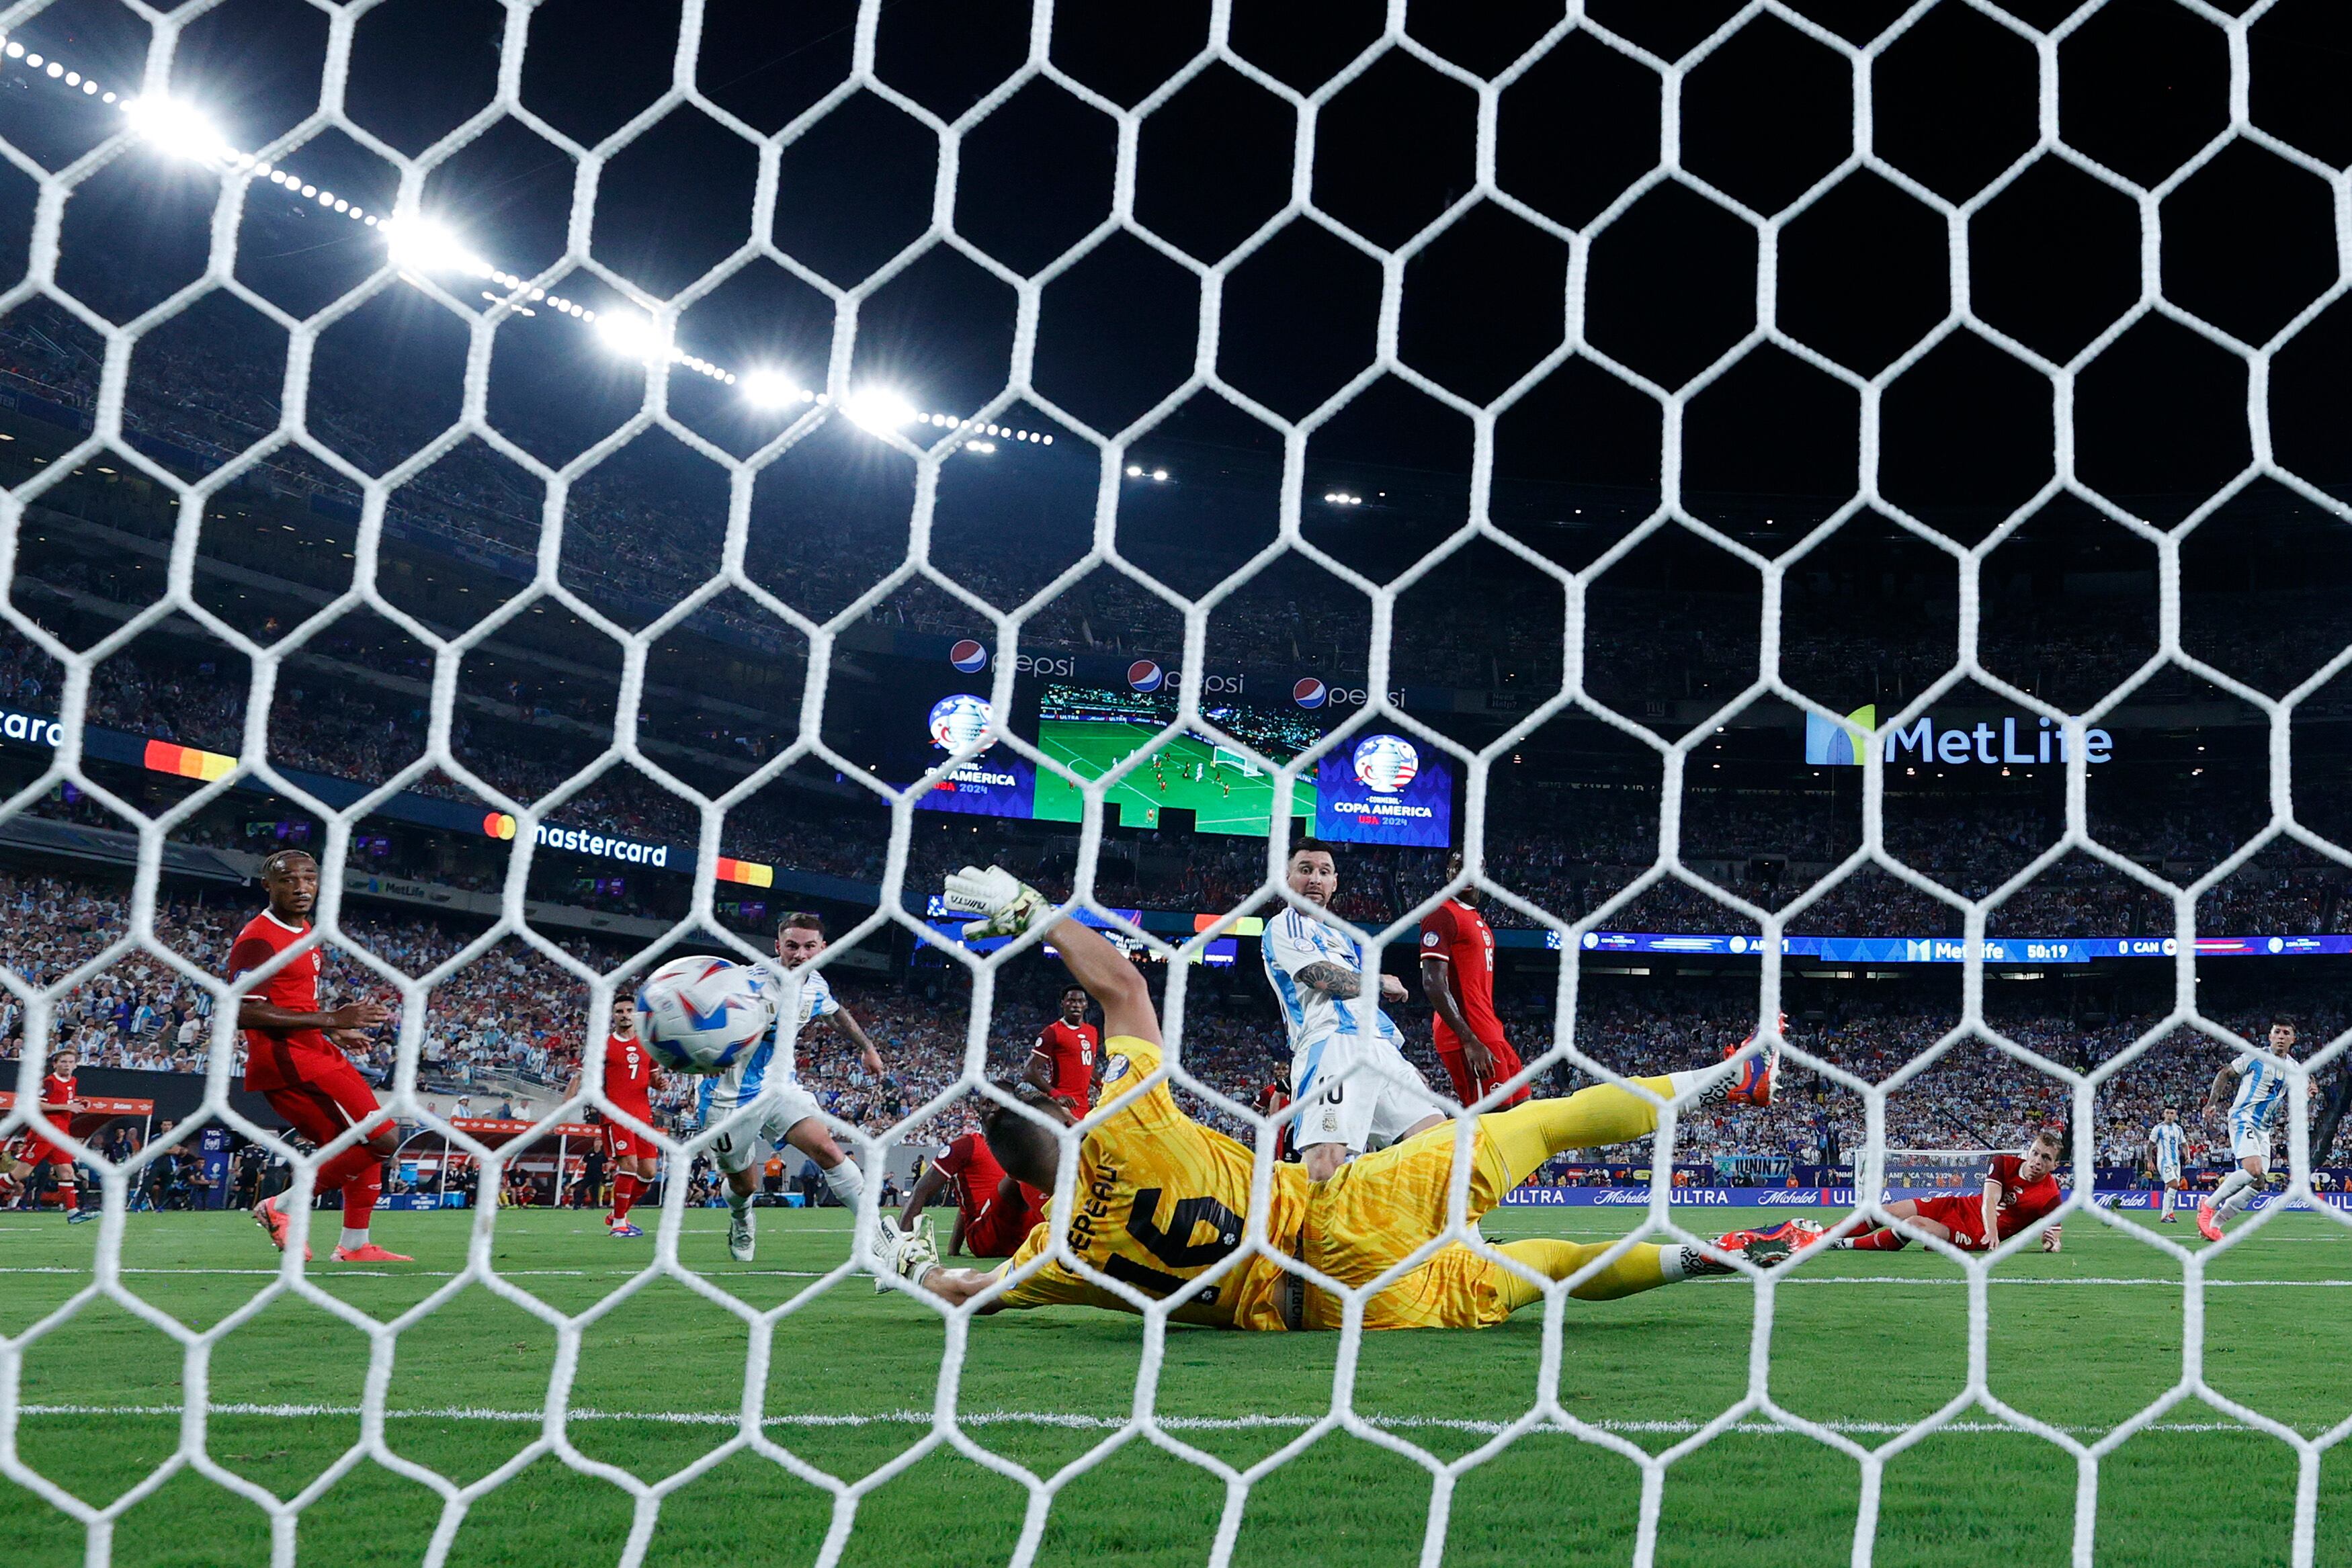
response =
{"points": [[1429, 938], [1308, 693], [1145, 676], [968, 655]]}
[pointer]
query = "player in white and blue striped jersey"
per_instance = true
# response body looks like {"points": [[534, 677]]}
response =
{"points": [[2167, 1143], [2255, 1087], [787, 1114]]}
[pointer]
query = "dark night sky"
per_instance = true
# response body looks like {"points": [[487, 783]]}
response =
{"points": [[1672, 283]]}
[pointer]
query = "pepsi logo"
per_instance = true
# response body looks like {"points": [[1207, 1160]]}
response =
{"points": [[1308, 693], [968, 655], [1144, 675]]}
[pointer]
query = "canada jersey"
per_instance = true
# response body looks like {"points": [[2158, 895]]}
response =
{"points": [[274, 1059], [58, 1092], [974, 1176], [1459, 935], [1292, 944], [1161, 1199], [629, 1076], [2262, 1089], [2022, 1203], [1069, 1049], [2170, 1141], [723, 1091]]}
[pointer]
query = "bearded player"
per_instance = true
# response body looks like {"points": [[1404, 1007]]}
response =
{"points": [[51, 1166], [1161, 1198], [994, 1214], [1355, 1089], [2256, 1088], [2019, 1191], [789, 1117], [628, 1090], [294, 1057], [1457, 975], [1062, 1062]]}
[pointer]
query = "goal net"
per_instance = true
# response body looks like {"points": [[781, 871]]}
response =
{"points": [[178, 119]]}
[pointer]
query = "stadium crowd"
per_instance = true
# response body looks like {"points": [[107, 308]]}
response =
{"points": [[507, 1024]]}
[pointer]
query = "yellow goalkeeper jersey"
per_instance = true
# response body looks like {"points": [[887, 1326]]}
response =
{"points": [[1161, 1199]]}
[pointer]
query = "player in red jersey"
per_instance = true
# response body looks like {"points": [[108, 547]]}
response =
{"points": [[294, 1057], [628, 1088], [994, 1214], [1457, 975], [60, 1098], [1062, 1062], [2019, 1189]]}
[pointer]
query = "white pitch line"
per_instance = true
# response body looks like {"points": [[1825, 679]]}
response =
{"points": [[1069, 1421]]}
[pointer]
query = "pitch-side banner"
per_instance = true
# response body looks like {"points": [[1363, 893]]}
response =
{"points": [[1805, 1197]]}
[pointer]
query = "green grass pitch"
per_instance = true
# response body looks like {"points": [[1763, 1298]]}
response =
{"points": [[1091, 750], [2081, 1340]]}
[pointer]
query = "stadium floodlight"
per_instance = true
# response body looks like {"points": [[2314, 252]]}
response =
{"points": [[178, 128], [422, 244], [879, 411], [631, 335], [772, 389]]}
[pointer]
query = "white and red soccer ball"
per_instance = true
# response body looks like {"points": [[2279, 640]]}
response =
{"points": [[701, 1015]]}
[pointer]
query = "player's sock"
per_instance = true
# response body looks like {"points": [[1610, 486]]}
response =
{"points": [[1642, 1267], [739, 1204], [2168, 1196], [72, 1191], [847, 1182], [1881, 1241], [2236, 1191], [358, 1173], [625, 1193], [1527, 1136]]}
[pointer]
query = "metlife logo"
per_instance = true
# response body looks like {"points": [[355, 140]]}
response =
{"points": [[2016, 741]]}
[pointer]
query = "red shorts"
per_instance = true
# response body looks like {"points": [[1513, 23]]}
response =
{"points": [[39, 1151], [1506, 1066], [328, 1098], [997, 1230], [623, 1144], [1076, 1104], [1963, 1216]]}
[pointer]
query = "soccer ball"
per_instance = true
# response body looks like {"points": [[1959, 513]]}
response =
{"points": [[701, 1014]]}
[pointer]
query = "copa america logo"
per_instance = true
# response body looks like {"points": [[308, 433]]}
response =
{"points": [[1308, 693], [968, 655], [1144, 675], [1386, 763], [959, 721]]}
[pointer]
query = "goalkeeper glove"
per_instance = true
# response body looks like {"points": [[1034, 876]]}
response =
{"points": [[1007, 906]]}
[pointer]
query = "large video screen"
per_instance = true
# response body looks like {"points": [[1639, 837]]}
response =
{"points": [[1384, 789], [1092, 729], [915, 717]]}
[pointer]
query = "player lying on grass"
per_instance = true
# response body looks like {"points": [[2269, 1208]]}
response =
{"points": [[1161, 1198], [2019, 1190], [994, 1214]]}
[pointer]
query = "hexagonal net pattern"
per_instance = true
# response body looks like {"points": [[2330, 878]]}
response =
{"points": [[240, 170]]}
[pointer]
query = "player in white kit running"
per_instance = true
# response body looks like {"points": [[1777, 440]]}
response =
{"points": [[2259, 1091], [1353, 1086], [787, 1114], [2168, 1141]]}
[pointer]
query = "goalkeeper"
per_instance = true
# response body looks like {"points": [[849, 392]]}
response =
{"points": [[1161, 1200]]}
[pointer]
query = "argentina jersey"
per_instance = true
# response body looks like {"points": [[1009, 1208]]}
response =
{"points": [[2262, 1089], [1291, 943], [2168, 1140], [797, 1004]]}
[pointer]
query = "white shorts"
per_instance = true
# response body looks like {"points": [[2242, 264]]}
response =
{"points": [[1342, 1099], [2251, 1141], [738, 1147], [2167, 1174]]}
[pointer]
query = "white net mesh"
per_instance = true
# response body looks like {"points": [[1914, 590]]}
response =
{"points": [[933, 447]]}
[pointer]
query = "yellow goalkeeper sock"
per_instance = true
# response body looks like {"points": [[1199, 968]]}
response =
{"points": [[1590, 1118], [1639, 1269]]}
